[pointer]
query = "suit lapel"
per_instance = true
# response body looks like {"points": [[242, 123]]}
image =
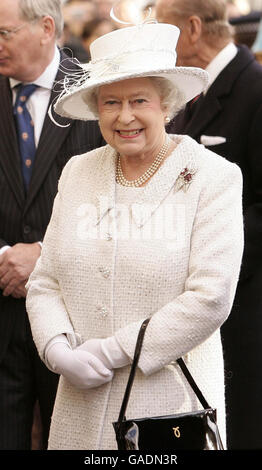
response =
{"points": [[210, 107], [206, 110], [9, 152], [51, 139]]}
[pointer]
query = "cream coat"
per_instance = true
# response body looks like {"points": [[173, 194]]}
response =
{"points": [[88, 283]]}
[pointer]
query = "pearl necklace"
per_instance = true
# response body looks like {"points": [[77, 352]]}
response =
{"points": [[120, 179]]}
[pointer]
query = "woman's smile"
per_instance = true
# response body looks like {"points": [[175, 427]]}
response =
{"points": [[129, 134]]}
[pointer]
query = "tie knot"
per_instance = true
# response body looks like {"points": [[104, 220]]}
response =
{"points": [[24, 91]]}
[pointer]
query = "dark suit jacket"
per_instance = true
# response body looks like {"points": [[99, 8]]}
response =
{"points": [[24, 218], [232, 108]]}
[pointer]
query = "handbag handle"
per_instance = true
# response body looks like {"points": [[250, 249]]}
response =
{"points": [[130, 381]]}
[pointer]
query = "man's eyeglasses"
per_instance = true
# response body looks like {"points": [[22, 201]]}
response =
{"points": [[7, 34]]}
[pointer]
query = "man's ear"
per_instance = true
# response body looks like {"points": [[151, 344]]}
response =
{"points": [[48, 27], [194, 28]]}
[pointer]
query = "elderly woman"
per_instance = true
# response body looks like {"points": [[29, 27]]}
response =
{"points": [[146, 226]]}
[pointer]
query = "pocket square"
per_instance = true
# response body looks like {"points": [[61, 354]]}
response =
{"points": [[209, 140]]}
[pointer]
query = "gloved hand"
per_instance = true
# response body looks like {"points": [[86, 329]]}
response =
{"points": [[81, 368], [107, 350]]}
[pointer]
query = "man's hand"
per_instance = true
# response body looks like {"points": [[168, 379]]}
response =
{"points": [[20, 291], [16, 265]]}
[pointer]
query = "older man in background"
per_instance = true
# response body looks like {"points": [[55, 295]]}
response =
{"points": [[227, 118], [33, 152]]}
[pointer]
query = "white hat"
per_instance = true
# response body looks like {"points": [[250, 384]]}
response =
{"points": [[130, 52]]}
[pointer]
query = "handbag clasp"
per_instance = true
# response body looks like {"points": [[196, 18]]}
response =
{"points": [[177, 432]]}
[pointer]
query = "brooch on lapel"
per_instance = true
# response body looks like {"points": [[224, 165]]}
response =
{"points": [[184, 179]]}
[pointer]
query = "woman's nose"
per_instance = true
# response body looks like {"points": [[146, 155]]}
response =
{"points": [[126, 114]]}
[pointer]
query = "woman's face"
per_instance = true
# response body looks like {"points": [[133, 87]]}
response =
{"points": [[131, 117]]}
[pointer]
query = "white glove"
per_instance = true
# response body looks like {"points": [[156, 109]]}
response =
{"points": [[107, 350], [81, 368]]}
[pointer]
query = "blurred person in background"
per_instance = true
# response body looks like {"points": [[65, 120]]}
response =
{"points": [[255, 4], [232, 9], [76, 14], [94, 29], [129, 12], [245, 22], [103, 8], [227, 119], [33, 152], [72, 45]]}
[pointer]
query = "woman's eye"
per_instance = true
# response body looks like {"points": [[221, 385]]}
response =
{"points": [[140, 100], [110, 102]]}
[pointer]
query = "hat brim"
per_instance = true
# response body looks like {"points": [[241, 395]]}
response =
{"points": [[190, 81]]}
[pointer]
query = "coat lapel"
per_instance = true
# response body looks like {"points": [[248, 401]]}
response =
{"points": [[9, 152], [51, 139]]}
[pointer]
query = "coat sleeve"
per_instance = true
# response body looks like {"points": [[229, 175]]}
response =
{"points": [[44, 294], [213, 271]]}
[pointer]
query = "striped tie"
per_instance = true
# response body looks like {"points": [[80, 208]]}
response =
{"points": [[25, 131]]}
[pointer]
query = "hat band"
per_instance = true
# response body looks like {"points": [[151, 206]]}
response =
{"points": [[132, 62]]}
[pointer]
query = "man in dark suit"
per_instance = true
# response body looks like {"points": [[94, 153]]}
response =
{"points": [[28, 184], [228, 120]]}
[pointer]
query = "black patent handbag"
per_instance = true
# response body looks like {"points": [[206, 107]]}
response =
{"points": [[195, 430]]}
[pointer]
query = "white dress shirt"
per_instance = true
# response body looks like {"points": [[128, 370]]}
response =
{"points": [[221, 60], [37, 103]]}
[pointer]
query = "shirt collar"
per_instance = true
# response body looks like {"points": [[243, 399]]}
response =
{"points": [[221, 60], [46, 80]]}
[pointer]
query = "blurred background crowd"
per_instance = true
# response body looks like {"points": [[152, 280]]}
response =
{"points": [[85, 20]]}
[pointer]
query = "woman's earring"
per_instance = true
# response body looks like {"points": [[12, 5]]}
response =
{"points": [[167, 119]]}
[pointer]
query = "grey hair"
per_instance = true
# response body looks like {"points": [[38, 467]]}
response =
{"points": [[170, 96], [31, 10], [213, 14]]}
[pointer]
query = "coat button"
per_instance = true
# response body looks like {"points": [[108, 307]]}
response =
{"points": [[27, 229], [108, 237]]}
